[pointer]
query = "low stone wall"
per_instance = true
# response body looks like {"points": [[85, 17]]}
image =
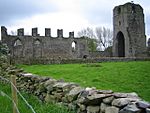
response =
{"points": [[67, 61], [80, 99]]}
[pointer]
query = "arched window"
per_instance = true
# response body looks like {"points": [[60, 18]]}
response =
{"points": [[17, 43], [73, 45]]}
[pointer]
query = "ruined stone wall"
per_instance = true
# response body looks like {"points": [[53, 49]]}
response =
{"points": [[129, 31], [35, 46]]}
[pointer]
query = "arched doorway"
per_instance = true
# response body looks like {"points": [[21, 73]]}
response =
{"points": [[120, 44]]}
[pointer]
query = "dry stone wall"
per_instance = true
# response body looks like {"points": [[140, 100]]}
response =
{"points": [[80, 99]]}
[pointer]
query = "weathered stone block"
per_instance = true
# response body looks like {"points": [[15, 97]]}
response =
{"points": [[130, 109], [96, 99], [73, 94], [120, 102], [112, 110], [49, 98], [103, 107], [50, 82], [108, 100], [143, 104], [126, 95], [104, 91], [93, 109]]}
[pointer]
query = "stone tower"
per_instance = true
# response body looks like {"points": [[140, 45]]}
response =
{"points": [[129, 38]]}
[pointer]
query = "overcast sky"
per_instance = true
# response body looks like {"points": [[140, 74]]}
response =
{"points": [[69, 15]]}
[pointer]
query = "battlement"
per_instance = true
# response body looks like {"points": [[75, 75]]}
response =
{"points": [[35, 46], [34, 33]]}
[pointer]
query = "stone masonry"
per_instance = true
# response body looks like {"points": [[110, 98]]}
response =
{"points": [[129, 40], [36, 46], [129, 31]]}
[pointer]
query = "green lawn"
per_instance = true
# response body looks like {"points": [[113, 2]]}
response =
{"points": [[118, 76], [39, 107]]}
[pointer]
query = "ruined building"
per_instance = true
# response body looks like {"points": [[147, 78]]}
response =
{"points": [[36, 46], [129, 38]]}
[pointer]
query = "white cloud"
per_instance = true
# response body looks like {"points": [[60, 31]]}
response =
{"points": [[61, 20], [73, 15]]}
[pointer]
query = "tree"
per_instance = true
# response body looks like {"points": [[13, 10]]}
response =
{"points": [[104, 37], [101, 37], [92, 44], [88, 33]]}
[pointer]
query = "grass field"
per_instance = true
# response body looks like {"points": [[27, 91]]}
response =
{"points": [[118, 76], [39, 107]]}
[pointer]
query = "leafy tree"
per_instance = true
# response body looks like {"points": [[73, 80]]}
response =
{"points": [[92, 44], [88, 33]]}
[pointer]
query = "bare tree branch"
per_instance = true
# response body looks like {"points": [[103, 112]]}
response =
{"points": [[102, 35]]}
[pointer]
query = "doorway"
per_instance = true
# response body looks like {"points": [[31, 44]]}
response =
{"points": [[121, 44]]}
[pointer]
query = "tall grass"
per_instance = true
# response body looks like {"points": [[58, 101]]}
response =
{"points": [[39, 107], [118, 76]]}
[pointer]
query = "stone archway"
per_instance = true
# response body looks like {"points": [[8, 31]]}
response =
{"points": [[120, 44], [18, 48]]}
